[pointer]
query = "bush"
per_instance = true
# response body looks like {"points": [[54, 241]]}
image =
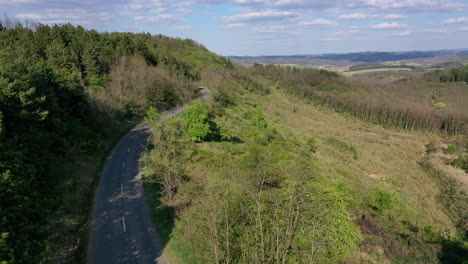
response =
{"points": [[198, 126], [452, 148], [96, 80], [345, 146], [152, 117], [440, 106], [383, 200], [312, 144]]}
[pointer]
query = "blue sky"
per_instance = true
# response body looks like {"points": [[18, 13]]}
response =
{"points": [[268, 27]]}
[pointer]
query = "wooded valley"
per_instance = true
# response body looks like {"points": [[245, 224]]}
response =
{"points": [[281, 165]]}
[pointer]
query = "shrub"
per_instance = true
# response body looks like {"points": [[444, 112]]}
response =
{"points": [[96, 80], [312, 144], [440, 106], [152, 117], [198, 126], [452, 148], [345, 146], [383, 200]]}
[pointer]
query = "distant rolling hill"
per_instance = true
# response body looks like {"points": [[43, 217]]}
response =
{"points": [[370, 57]]}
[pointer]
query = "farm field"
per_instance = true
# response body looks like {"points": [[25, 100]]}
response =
{"points": [[352, 73]]}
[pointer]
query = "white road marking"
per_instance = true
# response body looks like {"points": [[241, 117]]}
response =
{"points": [[128, 150], [123, 224], [121, 188], [123, 165]]}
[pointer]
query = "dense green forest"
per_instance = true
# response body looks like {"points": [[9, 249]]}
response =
{"points": [[63, 90], [281, 165]]}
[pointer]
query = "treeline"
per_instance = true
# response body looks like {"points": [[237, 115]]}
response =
{"points": [[362, 100], [459, 74], [63, 89]]}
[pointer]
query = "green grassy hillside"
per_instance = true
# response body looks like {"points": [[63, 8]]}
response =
{"points": [[278, 179]]}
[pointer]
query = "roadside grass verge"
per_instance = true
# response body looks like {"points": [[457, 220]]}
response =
{"points": [[163, 218]]}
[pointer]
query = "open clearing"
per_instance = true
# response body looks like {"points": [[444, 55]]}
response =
{"points": [[351, 73], [388, 158]]}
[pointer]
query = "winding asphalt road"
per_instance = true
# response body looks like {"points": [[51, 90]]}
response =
{"points": [[121, 228]]}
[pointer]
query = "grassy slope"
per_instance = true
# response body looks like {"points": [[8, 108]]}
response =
{"points": [[387, 160]]}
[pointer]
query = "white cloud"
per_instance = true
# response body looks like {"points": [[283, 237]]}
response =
{"points": [[455, 20], [166, 18], [388, 26], [463, 28], [235, 25], [136, 6], [404, 5], [60, 15], [357, 16], [17, 2], [340, 35], [319, 22], [159, 10], [410, 5], [28, 16], [271, 29], [395, 16], [264, 16], [331, 38], [434, 30], [403, 33]]}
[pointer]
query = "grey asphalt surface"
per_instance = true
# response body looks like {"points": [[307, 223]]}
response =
{"points": [[121, 228]]}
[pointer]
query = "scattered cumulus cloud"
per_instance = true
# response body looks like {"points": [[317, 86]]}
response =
{"points": [[166, 18], [341, 35], [429, 30], [392, 25], [403, 33], [409, 5], [455, 20], [262, 16], [235, 25], [16, 2], [59, 16], [264, 19], [319, 22], [357, 16], [386, 5], [395, 16], [276, 28]]}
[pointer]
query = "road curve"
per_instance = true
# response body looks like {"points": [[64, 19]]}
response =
{"points": [[121, 230], [121, 227]]}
